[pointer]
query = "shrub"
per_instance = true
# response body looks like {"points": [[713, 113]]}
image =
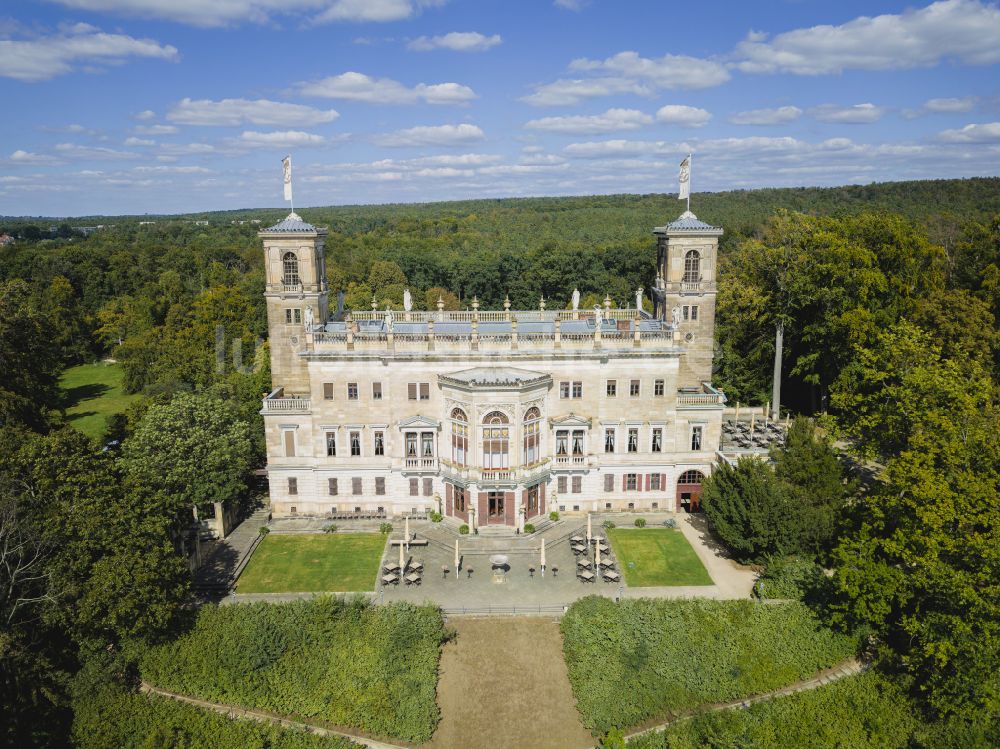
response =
{"points": [[641, 658], [793, 577], [330, 528], [264, 530], [463, 529], [373, 668], [385, 528], [553, 516], [529, 528], [640, 522], [608, 525], [613, 739], [436, 517], [670, 523]]}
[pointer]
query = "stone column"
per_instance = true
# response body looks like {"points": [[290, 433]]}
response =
{"points": [[558, 331], [475, 334], [430, 335], [513, 334]]}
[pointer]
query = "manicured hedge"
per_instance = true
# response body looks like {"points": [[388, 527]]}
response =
{"points": [[860, 712], [792, 578], [109, 717], [645, 658], [373, 668]]}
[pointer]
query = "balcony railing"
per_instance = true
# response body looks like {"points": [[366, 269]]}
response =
{"points": [[287, 405], [422, 463], [708, 396], [571, 459]]}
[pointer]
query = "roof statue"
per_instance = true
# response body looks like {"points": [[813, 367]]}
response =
{"points": [[576, 299], [308, 319], [598, 315], [638, 299], [388, 321], [675, 313], [407, 300]]}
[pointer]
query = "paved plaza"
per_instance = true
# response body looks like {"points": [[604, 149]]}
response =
{"points": [[521, 586]]}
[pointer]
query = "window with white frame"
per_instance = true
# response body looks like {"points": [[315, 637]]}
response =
{"points": [[696, 437], [578, 389], [331, 444], [355, 444], [427, 444], [633, 440], [654, 482], [376, 391], [459, 437], [532, 435], [609, 440], [562, 443], [578, 442], [657, 442], [352, 391], [612, 388], [631, 482], [411, 444], [692, 267], [379, 445], [564, 389], [633, 388], [418, 391], [658, 388], [290, 269], [496, 441]]}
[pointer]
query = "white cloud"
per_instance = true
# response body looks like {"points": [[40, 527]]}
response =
{"points": [[435, 135], [679, 114], [458, 41], [987, 132], [964, 30], [610, 121], [570, 91], [40, 59], [570, 4], [283, 139], [139, 142], [146, 115], [776, 116], [608, 148], [233, 112], [155, 129], [93, 153], [858, 114], [27, 157], [173, 169], [232, 12], [360, 87], [963, 104]]}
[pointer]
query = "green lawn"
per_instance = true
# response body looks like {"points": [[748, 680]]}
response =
{"points": [[330, 563], [93, 394], [652, 557]]}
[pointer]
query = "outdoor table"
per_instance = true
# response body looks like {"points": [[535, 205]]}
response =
{"points": [[416, 566], [576, 539], [612, 576], [596, 539], [586, 576], [390, 567], [413, 579], [585, 563], [607, 563], [390, 579], [578, 549]]}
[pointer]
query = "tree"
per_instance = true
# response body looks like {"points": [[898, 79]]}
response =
{"points": [[922, 568], [431, 299], [194, 448]]}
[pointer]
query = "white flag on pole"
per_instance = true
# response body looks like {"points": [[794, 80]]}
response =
{"points": [[685, 179], [286, 164]]}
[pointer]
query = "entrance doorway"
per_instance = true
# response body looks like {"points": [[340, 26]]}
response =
{"points": [[495, 507], [689, 491]]}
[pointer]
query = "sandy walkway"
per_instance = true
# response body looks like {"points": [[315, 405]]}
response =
{"points": [[503, 685]]}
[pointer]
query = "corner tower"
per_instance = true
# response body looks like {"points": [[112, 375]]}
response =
{"points": [[686, 264], [296, 294]]}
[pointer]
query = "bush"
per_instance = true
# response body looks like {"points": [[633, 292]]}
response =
{"points": [[372, 668], [608, 525], [793, 577], [553, 516], [436, 517], [385, 528], [330, 528], [670, 523], [463, 529], [642, 659], [264, 530], [613, 739], [640, 522], [529, 528]]}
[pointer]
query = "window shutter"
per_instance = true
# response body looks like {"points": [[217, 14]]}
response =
{"points": [[289, 443], [624, 482], [328, 391], [647, 481], [411, 391]]}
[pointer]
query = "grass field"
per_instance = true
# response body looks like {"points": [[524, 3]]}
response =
{"points": [[333, 562], [93, 393], [652, 557]]}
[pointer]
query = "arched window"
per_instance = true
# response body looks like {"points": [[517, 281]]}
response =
{"points": [[692, 267], [532, 419], [691, 477], [459, 437], [290, 269], [496, 441]]}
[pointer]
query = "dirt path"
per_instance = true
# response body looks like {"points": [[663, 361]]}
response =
{"points": [[504, 685]]}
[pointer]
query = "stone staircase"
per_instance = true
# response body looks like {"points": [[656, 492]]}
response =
{"points": [[230, 555]]}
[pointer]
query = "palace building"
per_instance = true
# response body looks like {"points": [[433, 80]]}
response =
{"points": [[492, 417]]}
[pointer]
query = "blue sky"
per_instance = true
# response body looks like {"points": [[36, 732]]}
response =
{"points": [[134, 106]]}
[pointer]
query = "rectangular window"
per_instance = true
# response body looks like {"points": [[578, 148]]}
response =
{"points": [[380, 485], [612, 388], [297, 316], [654, 482], [427, 444], [657, 442], [331, 444], [352, 391], [561, 484], [562, 438], [332, 485], [288, 317], [578, 442], [425, 391], [609, 482], [633, 440], [658, 388], [687, 312], [459, 499], [609, 440], [694, 312], [577, 484], [577, 389], [631, 482], [328, 391], [414, 487], [564, 389], [428, 487], [289, 443], [293, 486], [379, 447], [411, 391], [355, 444], [696, 438], [376, 391], [633, 388], [356, 485], [411, 444]]}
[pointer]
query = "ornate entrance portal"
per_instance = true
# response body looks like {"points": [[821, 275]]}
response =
{"points": [[495, 507], [689, 491]]}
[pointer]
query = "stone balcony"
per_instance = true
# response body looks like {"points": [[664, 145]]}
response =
{"points": [[276, 403], [496, 476]]}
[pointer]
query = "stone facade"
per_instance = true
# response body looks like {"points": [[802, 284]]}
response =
{"points": [[491, 417]]}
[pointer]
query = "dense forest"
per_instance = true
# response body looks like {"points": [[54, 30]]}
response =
{"points": [[888, 296]]}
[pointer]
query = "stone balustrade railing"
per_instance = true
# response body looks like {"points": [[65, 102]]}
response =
{"points": [[498, 315]]}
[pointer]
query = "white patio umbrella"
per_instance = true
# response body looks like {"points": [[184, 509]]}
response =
{"points": [[737, 410], [597, 557], [402, 560], [456, 559], [753, 416], [406, 530], [590, 535], [542, 561]]}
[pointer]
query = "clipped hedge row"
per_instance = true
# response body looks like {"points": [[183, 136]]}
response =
{"points": [[792, 578], [645, 658], [352, 664], [110, 717], [861, 712]]}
